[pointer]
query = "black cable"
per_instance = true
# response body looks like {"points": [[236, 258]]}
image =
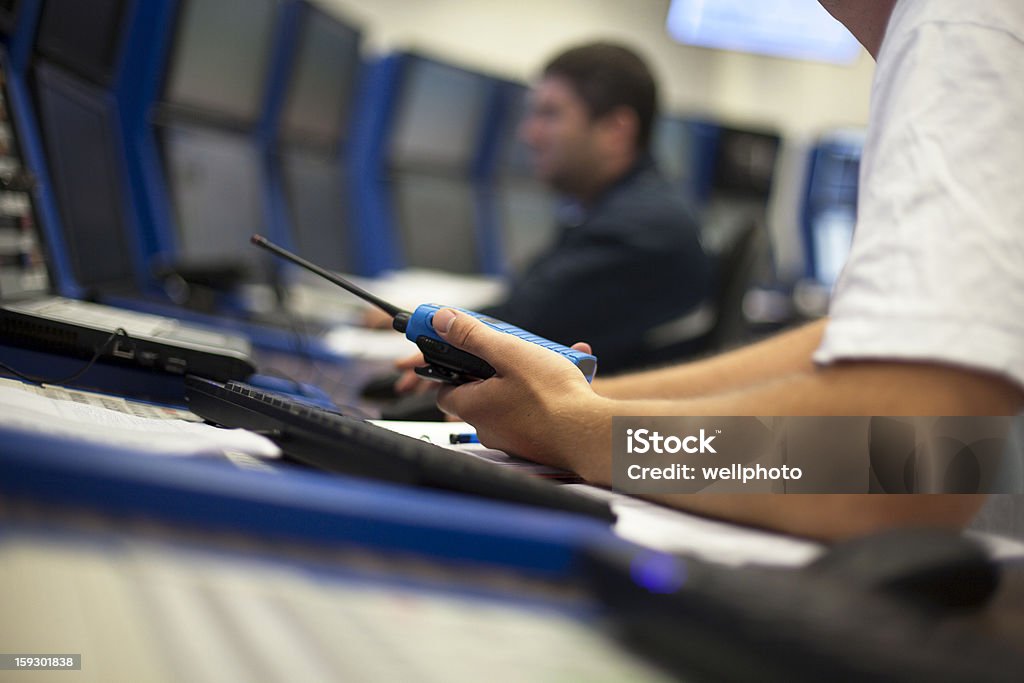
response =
{"points": [[68, 380]]}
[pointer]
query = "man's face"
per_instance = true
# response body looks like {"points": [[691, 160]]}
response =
{"points": [[558, 130]]}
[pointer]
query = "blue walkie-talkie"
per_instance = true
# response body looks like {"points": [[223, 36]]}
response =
{"points": [[445, 363]]}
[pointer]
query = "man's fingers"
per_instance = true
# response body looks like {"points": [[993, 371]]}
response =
{"points": [[408, 381], [452, 399], [469, 334], [583, 346], [410, 362]]}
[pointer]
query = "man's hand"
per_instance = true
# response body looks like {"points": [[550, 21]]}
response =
{"points": [[537, 405], [376, 319], [410, 382]]}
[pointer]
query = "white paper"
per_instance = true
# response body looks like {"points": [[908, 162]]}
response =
{"points": [[30, 412], [674, 531], [367, 344], [440, 433]]}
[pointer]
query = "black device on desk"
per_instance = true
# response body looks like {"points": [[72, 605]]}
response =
{"points": [[338, 443], [445, 363], [841, 618], [32, 316]]}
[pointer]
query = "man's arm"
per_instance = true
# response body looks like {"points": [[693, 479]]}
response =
{"points": [[539, 406], [833, 516], [853, 389], [779, 356]]}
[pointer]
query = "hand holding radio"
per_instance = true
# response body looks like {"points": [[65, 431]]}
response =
{"points": [[536, 405], [445, 363], [410, 382]]}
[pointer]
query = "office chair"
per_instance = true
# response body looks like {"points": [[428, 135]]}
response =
{"points": [[721, 323]]}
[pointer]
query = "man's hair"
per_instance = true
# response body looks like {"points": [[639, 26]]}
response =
{"points": [[607, 76]]}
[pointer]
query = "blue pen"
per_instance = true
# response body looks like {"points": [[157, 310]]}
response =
{"points": [[464, 438]]}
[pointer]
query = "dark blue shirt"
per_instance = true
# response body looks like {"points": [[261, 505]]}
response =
{"points": [[632, 261]]}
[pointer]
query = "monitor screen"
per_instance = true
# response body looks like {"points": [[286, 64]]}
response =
{"points": [[220, 57], [745, 163], [23, 267], [322, 83], [80, 138], [832, 207], [83, 37], [215, 181], [797, 29], [440, 116], [315, 186], [833, 234], [437, 223]]}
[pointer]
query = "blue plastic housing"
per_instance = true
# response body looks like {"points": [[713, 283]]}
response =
{"points": [[421, 326]]}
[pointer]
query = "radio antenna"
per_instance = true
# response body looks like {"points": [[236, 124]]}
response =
{"points": [[395, 312]]}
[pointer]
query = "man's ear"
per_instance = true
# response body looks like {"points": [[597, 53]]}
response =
{"points": [[621, 127]]}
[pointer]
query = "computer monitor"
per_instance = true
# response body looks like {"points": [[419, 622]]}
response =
{"points": [[440, 115], [23, 268], [797, 29], [219, 58], [320, 93], [742, 171], [832, 206], [215, 182], [314, 125], [437, 223], [745, 163], [80, 138], [317, 193], [83, 37], [434, 141]]}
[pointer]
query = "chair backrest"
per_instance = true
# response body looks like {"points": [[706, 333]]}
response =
{"points": [[736, 268], [721, 323]]}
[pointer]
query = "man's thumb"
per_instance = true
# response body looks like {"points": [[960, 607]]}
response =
{"points": [[469, 334]]}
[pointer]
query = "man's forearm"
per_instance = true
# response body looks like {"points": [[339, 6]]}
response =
{"points": [[833, 516], [785, 354], [853, 389]]}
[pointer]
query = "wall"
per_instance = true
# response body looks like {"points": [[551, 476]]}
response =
{"points": [[512, 38]]}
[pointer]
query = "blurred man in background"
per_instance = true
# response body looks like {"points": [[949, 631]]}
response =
{"points": [[626, 240]]}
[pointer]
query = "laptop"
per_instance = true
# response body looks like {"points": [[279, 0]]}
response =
{"points": [[32, 317]]}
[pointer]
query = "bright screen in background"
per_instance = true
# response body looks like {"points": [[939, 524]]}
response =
{"points": [[797, 29]]}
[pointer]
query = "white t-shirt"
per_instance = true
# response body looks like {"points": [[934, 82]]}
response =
{"points": [[936, 271]]}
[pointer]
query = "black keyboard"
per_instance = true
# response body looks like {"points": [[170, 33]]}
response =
{"points": [[337, 443]]}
